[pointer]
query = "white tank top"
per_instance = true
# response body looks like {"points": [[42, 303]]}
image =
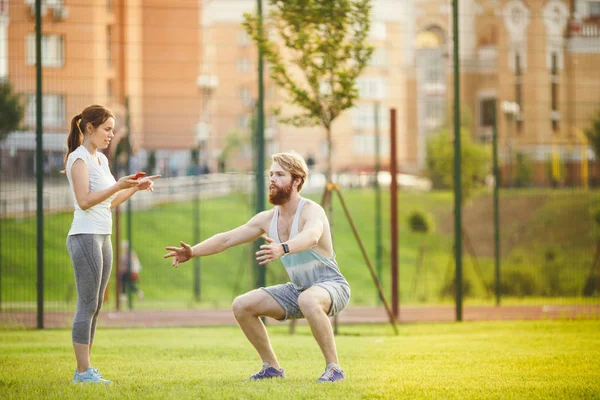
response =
{"points": [[96, 219], [307, 267]]}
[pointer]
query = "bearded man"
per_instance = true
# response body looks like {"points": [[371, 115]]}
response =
{"points": [[297, 231]]}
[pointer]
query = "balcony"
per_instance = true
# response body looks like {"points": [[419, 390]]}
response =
{"points": [[583, 36], [586, 28], [487, 57]]}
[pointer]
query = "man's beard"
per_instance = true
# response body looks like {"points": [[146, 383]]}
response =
{"points": [[280, 195]]}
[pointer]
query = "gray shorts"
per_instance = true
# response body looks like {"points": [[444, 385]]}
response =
{"points": [[287, 296]]}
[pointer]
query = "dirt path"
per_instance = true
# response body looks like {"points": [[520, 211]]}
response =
{"points": [[352, 315]]}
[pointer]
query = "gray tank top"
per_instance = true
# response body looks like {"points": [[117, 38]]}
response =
{"points": [[307, 267]]}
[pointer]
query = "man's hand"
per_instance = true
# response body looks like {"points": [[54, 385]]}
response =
{"points": [[269, 252], [179, 254]]}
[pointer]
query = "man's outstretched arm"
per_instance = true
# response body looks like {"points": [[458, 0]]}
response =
{"points": [[248, 232]]}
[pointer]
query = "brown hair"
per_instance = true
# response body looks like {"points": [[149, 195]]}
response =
{"points": [[95, 115], [293, 163]]}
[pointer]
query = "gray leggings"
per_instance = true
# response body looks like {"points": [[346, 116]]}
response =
{"points": [[91, 256]]}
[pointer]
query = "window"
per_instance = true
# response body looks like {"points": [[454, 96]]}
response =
{"points": [[379, 58], [53, 110], [378, 30], [487, 115], [53, 50], [363, 117], [434, 109], [372, 87], [109, 90], [554, 93], [108, 46], [243, 65], [246, 97], [243, 40], [519, 92], [365, 144], [243, 122], [594, 9]]}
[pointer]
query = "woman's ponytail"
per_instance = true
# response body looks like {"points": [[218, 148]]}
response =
{"points": [[75, 138]]}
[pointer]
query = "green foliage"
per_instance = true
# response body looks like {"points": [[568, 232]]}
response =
{"points": [[523, 169], [324, 40], [519, 283], [12, 110], [316, 49], [593, 135], [475, 164], [420, 222]]}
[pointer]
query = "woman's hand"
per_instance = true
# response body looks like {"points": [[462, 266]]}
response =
{"points": [[147, 183], [127, 182]]}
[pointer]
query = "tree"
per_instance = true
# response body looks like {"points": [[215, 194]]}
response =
{"points": [[475, 161], [593, 135], [319, 50], [11, 109]]}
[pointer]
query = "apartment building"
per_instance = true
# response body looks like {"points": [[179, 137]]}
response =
{"points": [[535, 61], [145, 53], [188, 70]]}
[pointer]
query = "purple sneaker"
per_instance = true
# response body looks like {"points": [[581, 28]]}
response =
{"points": [[267, 372], [333, 373]]}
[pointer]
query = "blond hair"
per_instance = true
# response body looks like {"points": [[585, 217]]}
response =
{"points": [[293, 163]]}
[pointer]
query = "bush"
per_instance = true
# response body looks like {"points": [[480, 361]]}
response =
{"points": [[449, 289], [519, 283], [475, 161], [420, 222]]}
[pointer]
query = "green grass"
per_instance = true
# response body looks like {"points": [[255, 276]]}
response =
{"points": [[533, 221], [520, 360]]}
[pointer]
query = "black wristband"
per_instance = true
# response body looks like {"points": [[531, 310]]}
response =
{"points": [[286, 248]]}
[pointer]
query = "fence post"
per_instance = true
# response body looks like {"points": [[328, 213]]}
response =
{"points": [[496, 209]]}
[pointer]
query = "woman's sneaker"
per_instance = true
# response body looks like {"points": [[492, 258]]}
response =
{"points": [[333, 373], [267, 372], [90, 376]]}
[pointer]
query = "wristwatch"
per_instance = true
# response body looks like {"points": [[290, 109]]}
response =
{"points": [[286, 249]]}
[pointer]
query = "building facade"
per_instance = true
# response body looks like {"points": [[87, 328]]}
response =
{"points": [[187, 71]]}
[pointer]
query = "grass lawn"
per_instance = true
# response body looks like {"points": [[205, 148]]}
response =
{"points": [[520, 360]]}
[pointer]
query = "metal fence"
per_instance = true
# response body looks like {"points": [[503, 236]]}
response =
{"points": [[194, 126]]}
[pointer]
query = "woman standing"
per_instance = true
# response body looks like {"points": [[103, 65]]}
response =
{"points": [[95, 192]]}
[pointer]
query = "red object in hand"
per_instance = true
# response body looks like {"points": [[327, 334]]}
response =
{"points": [[139, 175]]}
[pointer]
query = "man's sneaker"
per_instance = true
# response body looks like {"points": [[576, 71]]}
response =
{"points": [[333, 373], [267, 372], [90, 376]]}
